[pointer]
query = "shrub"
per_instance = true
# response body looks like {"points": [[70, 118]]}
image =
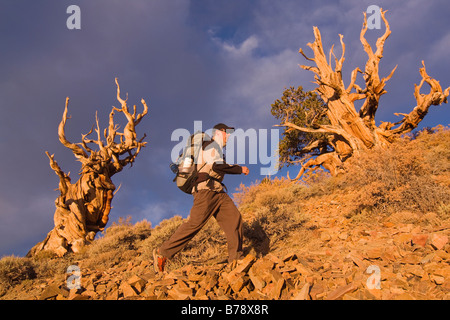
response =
{"points": [[271, 211], [14, 270], [159, 234], [119, 243], [410, 175]]}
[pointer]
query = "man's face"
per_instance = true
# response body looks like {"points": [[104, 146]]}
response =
{"points": [[223, 136]]}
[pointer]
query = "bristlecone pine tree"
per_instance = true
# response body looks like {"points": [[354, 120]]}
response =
{"points": [[83, 207], [348, 131]]}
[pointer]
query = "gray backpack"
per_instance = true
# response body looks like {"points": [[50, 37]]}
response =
{"points": [[186, 165]]}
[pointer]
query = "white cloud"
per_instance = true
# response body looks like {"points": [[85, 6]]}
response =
{"points": [[156, 211], [255, 81], [244, 49]]}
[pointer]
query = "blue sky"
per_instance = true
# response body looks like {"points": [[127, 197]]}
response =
{"points": [[214, 61]]}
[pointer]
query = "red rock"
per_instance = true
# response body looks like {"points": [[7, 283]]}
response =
{"points": [[374, 253], [437, 279], [78, 296], [316, 291], [113, 295], [50, 292], [238, 282], [276, 291], [420, 239], [127, 290], [245, 264], [179, 293], [404, 296], [257, 281], [358, 260], [402, 238], [303, 293], [373, 294], [438, 241], [341, 291]]}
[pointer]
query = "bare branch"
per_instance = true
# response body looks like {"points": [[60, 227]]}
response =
{"points": [[353, 80], [350, 131], [362, 37], [99, 137], [322, 129], [374, 86], [331, 54], [436, 96], [384, 80], [329, 161], [84, 141], [381, 40], [141, 115], [64, 179], [83, 207], [310, 68], [304, 55], [339, 63], [129, 131], [78, 151]]}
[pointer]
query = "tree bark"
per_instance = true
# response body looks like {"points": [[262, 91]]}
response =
{"points": [[83, 207], [353, 131]]}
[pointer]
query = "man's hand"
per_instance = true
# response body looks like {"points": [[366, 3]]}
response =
{"points": [[245, 170]]}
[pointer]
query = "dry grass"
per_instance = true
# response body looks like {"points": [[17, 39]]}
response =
{"points": [[118, 244], [207, 245], [407, 183], [271, 212], [14, 270], [410, 176]]}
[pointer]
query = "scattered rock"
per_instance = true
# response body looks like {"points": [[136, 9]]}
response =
{"points": [[341, 291], [438, 241], [420, 239], [303, 293], [127, 290], [405, 261], [50, 292]]}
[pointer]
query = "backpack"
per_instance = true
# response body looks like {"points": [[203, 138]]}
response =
{"points": [[186, 165]]}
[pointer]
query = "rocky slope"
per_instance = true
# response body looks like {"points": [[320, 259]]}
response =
{"points": [[342, 260], [359, 236]]}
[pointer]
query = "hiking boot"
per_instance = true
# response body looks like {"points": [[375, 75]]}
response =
{"points": [[158, 261]]}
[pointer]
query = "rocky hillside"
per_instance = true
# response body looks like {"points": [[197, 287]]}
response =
{"points": [[380, 231]]}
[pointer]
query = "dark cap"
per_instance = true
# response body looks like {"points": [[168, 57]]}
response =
{"points": [[223, 127]]}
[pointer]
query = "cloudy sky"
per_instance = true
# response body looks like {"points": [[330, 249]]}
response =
{"points": [[211, 61]]}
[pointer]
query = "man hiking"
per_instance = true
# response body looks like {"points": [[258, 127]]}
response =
{"points": [[210, 199]]}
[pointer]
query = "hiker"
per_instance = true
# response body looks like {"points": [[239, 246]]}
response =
{"points": [[210, 199]]}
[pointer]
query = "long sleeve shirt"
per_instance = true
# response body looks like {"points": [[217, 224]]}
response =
{"points": [[212, 167]]}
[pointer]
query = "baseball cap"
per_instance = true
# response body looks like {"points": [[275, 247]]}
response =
{"points": [[223, 127]]}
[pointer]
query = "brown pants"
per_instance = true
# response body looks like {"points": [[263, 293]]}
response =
{"points": [[208, 203]]}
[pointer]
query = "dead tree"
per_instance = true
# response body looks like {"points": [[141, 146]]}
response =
{"points": [[83, 207], [351, 131]]}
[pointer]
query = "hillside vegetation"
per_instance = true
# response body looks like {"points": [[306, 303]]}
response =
{"points": [[320, 238]]}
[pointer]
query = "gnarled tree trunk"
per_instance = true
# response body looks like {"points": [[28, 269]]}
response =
{"points": [[83, 207], [352, 131]]}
